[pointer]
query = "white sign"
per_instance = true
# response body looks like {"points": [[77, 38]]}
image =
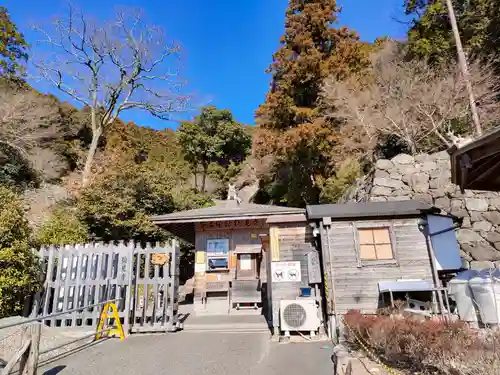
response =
{"points": [[285, 272], [245, 262], [200, 267]]}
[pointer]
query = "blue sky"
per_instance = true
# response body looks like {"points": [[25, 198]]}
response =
{"points": [[227, 44]]}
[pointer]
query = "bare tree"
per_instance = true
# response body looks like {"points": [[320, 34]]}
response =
{"points": [[123, 64], [411, 100]]}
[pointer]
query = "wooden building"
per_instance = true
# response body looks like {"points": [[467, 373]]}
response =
{"points": [[238, 245], [369, 249], [476, 164], [305, 268]]}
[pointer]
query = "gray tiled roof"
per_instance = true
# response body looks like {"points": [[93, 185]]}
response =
{"points": [[227, 208], [369, 209]]}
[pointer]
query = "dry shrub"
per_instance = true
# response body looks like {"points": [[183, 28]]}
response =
{"points": [[427, 347]]}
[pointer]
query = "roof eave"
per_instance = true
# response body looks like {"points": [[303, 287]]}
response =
{"points": [[373, 216], [197, 219], [361, 215]]}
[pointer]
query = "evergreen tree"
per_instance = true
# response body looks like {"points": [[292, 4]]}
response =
{"points": [[13, 47], [18, 265], [290, 124], [431, 37], [213, 137]]}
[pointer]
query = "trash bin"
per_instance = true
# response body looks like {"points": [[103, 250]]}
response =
{"points": [[459, 290], [486, 292]]}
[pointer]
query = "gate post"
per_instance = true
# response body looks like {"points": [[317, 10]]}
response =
{"points": [[128, 294], [174, 277]]}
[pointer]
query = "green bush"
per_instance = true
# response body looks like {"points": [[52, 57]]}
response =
{"points": [[18, 264], [188, 199], [63, 228], [118, 205], [333, 188]]}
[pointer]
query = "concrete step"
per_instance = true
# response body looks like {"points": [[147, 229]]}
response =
{"points": [[225, 323]]}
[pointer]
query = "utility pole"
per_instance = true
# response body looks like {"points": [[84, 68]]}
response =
{"points": [[463, 67]]}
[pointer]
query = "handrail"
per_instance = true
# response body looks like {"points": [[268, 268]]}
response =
{"points": [[28, 355], [37, 319]]}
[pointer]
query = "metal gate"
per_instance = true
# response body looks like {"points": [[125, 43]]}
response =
{"points": [[143, 280]]}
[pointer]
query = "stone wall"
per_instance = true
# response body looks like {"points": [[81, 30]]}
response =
{"points": [[428, 178]]}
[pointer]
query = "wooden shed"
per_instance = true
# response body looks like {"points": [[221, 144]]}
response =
{"points": [[367, 246]]}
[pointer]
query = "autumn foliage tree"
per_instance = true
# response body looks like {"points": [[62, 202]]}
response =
{"points": [[291, 126]]}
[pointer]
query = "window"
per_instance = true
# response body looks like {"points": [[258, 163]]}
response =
{"points": [[217, 253], [375, 244]]}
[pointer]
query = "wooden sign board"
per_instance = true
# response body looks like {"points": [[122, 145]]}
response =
{"points": [[200, 257], [159, 259], [230, 224]]}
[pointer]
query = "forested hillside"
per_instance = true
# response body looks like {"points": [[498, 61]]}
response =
{"points": [[334, 106], [73, 171], [337, 104]]}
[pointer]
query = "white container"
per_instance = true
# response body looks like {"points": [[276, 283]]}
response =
{"points": [[486, 292], [460, 291]]}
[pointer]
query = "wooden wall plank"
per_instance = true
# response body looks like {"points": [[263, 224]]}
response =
{"points": [[356, 284], [295, 241]]}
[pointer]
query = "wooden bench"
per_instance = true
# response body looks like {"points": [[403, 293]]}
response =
{"points": [[214, 286]]}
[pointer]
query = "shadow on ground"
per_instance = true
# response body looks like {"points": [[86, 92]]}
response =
{"points": [[54, 370]]}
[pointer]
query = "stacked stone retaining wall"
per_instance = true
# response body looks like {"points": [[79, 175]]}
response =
{"points": [[428, 178]]}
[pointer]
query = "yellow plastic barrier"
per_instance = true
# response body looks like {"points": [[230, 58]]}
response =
{"points": [[118, 330]]}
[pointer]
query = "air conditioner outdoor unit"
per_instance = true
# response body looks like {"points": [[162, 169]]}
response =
{"points": [[299, 315]]}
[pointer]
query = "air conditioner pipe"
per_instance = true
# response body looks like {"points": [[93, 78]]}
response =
{"points": [[327, 221]]}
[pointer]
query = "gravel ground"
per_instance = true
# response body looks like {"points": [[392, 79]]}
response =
{"points": [[190, 353]]}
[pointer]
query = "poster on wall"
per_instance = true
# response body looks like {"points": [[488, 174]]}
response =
{"points": [[218, 246], [245, 262], [285, 272]]}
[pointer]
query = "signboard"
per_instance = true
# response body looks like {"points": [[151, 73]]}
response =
{"points": [[231, 224], [245, 262], [274, 243], [313, 267], [285, 272], [159, 259], [200, 257], [218, 246]]}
